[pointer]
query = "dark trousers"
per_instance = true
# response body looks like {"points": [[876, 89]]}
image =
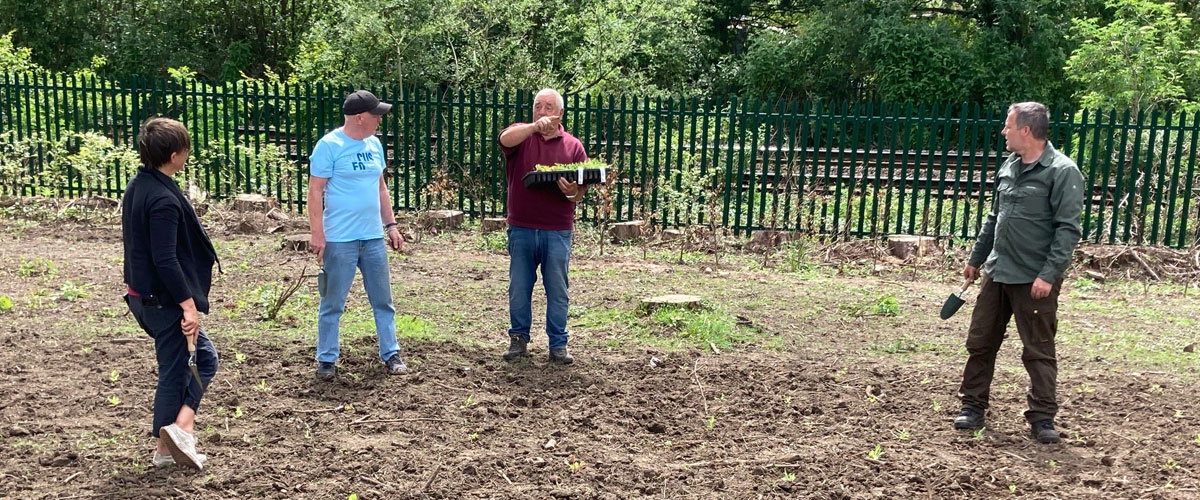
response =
{"points": [[1037, 323], [176, 385]]}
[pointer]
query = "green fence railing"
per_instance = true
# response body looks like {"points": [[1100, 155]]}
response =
{"points": [[847, 169]]}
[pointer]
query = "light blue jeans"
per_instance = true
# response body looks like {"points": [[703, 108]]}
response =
{"points": [[341, 260], [529, 249]]}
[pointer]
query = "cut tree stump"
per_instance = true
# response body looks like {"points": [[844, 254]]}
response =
{"points": [[442, 219], [670, 234], [682, 301], [493, 224], [767, 239], [626, 231], [254, 203], [296, 242], [904, 246]]}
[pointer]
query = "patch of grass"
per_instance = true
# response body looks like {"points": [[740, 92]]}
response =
{"points": [[702, 327], [496, 241], [6, 304]]}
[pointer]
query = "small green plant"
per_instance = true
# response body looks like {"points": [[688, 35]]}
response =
{"points": [[470, 401], [978, 434], [876, 452], [262, 385], [114, 400], [788, 476], [795, 258], [352, 497], [575, 466], [712, 420], [1012, 488], [474, 436], [937, 406], [6, 304], [1178, 413], [114, 376], [239, 357], [36, 266], [237, 412], [886, 305], [1053, 465], [1085, 389], [1198, 438], [1155, 389], [70, 292], [901, 434], [1170, 465]]}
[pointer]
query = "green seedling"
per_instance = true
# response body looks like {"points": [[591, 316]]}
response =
{"points": [[875, 453], [470, 401], [114, 400], [239, 357], [114, 376], [788, 476], [901, 434], [978, 434], [6, 304]]}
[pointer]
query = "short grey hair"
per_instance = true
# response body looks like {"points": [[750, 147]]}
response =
{"points": [[1033, 115], [549, 91]]}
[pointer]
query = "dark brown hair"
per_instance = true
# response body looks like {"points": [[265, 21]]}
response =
{"points": [[159, 138]]}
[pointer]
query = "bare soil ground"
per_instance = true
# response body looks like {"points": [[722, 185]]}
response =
{"points": [[821, 375]]}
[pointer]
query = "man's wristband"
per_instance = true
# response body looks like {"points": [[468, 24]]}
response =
{"points": [[390, 225]]}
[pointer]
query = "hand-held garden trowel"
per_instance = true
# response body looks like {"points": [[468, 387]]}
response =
{"points": [[955, 302]]}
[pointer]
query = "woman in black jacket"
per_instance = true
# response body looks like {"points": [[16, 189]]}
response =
{"points": [[168, 270]]}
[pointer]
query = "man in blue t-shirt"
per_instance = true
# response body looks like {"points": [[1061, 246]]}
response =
{"points": [[350, 212]]}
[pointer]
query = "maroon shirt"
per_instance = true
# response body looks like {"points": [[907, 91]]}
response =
{"points": [[540, 207]]}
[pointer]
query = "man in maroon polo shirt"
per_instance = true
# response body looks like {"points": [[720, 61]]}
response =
{"points": [[540, 221]]}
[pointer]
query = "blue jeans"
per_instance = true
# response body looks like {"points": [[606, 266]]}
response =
{"points": [[341, 259], [528, 249]]}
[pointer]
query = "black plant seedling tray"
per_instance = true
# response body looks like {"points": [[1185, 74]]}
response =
{"points": [[550, 179]]}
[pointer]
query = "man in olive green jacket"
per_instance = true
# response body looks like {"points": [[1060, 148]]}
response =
{"points": [[1024, 248]]}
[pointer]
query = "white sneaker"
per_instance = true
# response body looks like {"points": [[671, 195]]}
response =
{"points": [[182, 446], [161, 460]]}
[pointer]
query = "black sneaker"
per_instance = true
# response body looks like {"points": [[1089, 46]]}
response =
{"points": [[516, 347], [968, 419], [559, 355], [1043, 431], [395, 365], [325, 371]]}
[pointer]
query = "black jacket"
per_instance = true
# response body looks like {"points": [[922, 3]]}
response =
{"points": [[167, 253]]}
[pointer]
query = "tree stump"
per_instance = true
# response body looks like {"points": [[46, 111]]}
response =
{"points": [[254, 203], [682, 301], [493, 224], [297, 242], [767, 239], [904, 246], [626, 231], [442, 219], [671, 234]]}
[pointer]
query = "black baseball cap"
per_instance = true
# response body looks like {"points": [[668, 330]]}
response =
{"points": [[362, 101]]}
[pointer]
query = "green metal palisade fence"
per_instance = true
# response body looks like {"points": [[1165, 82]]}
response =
{"points": [[839, 169]]}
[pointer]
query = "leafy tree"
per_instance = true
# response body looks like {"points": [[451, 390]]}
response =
{"points": [[1141, 59]]}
